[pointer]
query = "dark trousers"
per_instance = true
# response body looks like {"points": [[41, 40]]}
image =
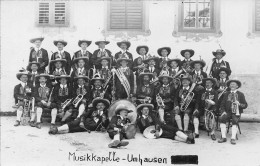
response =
{"points": [[168, 131], [225, 118]]}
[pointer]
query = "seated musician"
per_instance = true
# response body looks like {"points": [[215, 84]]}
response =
{"points": [[57, 67], [174, 65], [151, 61], [105, 70], [118, 125], [223, 74], [231, 107], [148, 118], [22, 93], [202, 103], [95, 120], [101, 52], [198, 74], [124, 53], [167, 93], [187, 54], [33, 69], [145, 90], [163, 52], [80, 67], [62, 92], [180, 100], [43, 97], [218, 62]]}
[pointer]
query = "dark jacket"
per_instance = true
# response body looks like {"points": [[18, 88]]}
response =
{"points": [[66, 56], [120, 90], [91, 124], [88, 54], [117, 122], [42, 94], [59, 97], [96, 56], [201, 103], [216, 66], [20, 94], [43, 58], [226, 102]]}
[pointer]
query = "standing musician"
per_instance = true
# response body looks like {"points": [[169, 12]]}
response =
{"points": [[83, 53], [145, 90], [61, 54], [205, 100], [39, 54], [124, 79], [118, 125], [33, 69], [174, 65], [198, 74], [124, 45], [22, 93], [81, 67], [95, 120], [231, 107], [152, 61], [164, 53], [43, 97], [187, 54], [139, 66], [147, 118], [218, 62], [101, 52], [166, 94]]}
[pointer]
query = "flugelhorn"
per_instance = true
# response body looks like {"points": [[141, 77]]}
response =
{"points": [[65, 104], [160, 101], [235, 107], [77, 100]]}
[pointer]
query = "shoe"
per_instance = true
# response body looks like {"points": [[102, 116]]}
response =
{"points": [[52, 125], [123, 143], [190, 139], [213, 137], [53, 130], [17, 123], [197, 135], [38, 125], [31, 123], [222, 140], [114, 144], [233, 141]]}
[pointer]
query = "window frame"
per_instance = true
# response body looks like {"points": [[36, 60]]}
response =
{"points": [[252, 24]]}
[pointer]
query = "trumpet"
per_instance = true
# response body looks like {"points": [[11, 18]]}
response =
{"points": [[65, 104], [160, 101], [235, 107], [187, 100], [77, 100]]}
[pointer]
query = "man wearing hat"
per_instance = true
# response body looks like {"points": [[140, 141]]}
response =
{"points": [[43, 97], [164, 53], [23, 91], [39, 54], [208, 94], [167, 93], [145, 90], [83, 52], [151, 62], [138, 65], [61, 54], [101, 52], [80, 67], [223, 74], [198, 74], [147, 118], [218, 62], [231, 107], [105, 70], [173, 70], [33, 69], [61, 92], [95, 120], [57, 67], [118, 125], [124, 45], [187, 54]]}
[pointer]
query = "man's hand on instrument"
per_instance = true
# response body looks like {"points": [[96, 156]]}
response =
{"points": [[237, 102]]}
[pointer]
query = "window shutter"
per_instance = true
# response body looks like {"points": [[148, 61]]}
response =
{"points": [[60, 13], [44, 13], [257, 15]]}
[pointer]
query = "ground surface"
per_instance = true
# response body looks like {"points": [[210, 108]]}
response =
{"points": [[30, 146]]}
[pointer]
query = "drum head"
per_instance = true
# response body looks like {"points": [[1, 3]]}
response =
{"points": [[150, 131], [132, 116]]}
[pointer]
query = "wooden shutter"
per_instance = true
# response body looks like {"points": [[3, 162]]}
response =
{"points": [[257, 15], [126, 15], [44, 13], [60, 13]]}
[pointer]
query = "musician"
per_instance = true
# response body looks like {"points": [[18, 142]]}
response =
{"points": [[61, 92], [146, 118], [124, 45], [138, 65], [39, 54], [218, 62], [57, 67], [83, 53], [163, 53], [151, 61], [95, 120], [118, 125], [33, 69], [23, 91], [101, 52], [145, 90], [187, 54], [201, 104], [124, 89], [167, 93], [181, 94], [105, 70], [61, 54], [174, 65], [81, 67], [43, 97], [231, 107], [198, 74], [223, 76]]}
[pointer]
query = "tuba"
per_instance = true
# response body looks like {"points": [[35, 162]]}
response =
{"points": [[160, 101], [187, 100]]}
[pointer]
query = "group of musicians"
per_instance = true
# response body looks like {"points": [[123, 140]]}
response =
{"points": [[171, 96]]}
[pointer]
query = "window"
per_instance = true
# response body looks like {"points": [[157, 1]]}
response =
{"points": [[257, 16], [53, 13]]}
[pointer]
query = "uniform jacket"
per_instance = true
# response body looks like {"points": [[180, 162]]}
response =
{"points": [[42, 93], [41, 56], [98, 54], [145, 91], [60, 95], [20, 92], [117, 122], [227, 101], [120, 90], [92, 122], [216, 66], [201, 103], [87, 54], [66, 56]]}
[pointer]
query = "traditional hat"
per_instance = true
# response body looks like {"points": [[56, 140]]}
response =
{"points": [[81, 76], [55, 42], [84, 41], [104, 58], [166, 48], [141, 75], [141, 106], [62, 76], [75, 61], [31, 63], [100, 41], [143, 46], [47, 76], [100, 100], [234, 80], [165, 75], [121, 107], [227, 70], [187, 50], [97, 77], [203, 64], [186, 77], [22, 72], [151, 58], [63, 61], [128, 44], [213, 80], [37, 38], [119, 60], [219, 51], [176, 60], [149, 132]]}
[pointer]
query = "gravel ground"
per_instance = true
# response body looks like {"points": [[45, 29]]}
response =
{"points": [[31, 146]]}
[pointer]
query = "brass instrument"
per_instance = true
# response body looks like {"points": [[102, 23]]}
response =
{"points": [[160, 102], [77, 100], [49, 100], [187, 100], [235, 107], [208, 69], [113, 92], [65, 104], [28, 105], [93, 70]]}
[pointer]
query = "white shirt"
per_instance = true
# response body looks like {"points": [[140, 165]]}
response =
{"points": [[83, 51], [144, 116], [37, 49], [165, 85], [176, 70], [223, 79], [63, 86], [209, 89], [235, 91], [34, 73], [124, 68], [151, 69], [58, 70], [198, 72], [23, 84], [80, 70], [187, 88], [43, 86], [60, 52], [81, 86], [187, 59], [103, 67], [219, 61]]}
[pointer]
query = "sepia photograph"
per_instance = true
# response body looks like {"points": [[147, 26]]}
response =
{"points": [[130, 82]]}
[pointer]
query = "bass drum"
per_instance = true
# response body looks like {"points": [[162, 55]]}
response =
{"points": [[132, 116]]}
